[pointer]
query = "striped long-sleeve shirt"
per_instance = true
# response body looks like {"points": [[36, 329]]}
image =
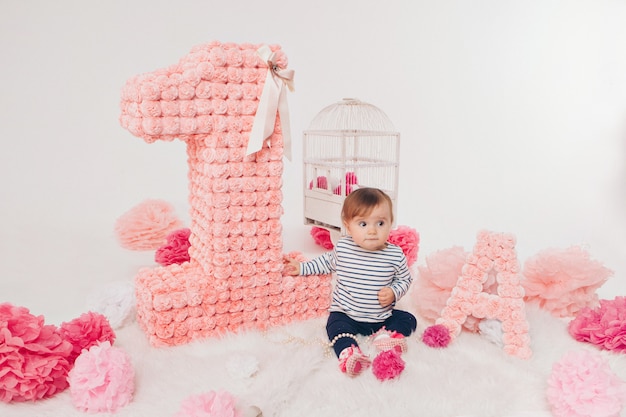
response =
{"points": [[360, 275]]}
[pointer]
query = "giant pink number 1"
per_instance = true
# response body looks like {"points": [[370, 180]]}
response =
{"points": [[234, 279]]}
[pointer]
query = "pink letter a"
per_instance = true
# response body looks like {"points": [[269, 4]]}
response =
{"points": [[492, 252]]}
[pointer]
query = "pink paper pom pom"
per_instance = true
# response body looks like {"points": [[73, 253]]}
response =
{"points": [[321, 237], [387, 365], [209, 404], [604, 326], [33, 356], [102, 379], [563, 281], [582, 384], [146, 226], [435, 280], [408, 239], [437, 336], [176, 250], [86, 331]]}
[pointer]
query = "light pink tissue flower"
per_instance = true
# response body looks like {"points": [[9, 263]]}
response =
{"points": [[582, 384], [102, 379], [86, 331], [33, 356], [146, 226], [563, 281], [604, 326]]}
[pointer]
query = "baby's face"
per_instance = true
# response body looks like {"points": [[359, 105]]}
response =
{"points": [[371, 231]]}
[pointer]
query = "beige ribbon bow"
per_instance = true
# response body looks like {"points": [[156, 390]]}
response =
{"points": [[273, 99]]}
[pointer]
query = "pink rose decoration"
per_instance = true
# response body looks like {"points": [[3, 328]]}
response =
{"points": [[604, 326], [582, 384], [102, 380], [408, 239], [176, 250], [33, 356], [86, 331], [146, 226], [470, 297]]}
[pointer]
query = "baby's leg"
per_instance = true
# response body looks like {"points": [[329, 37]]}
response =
{"points": [[342, 331], [402, 322]]}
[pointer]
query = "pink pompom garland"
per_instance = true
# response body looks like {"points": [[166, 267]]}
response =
{"points": [[34, 356], [86, 331], [582, 384], [102, 379], [176, 249], [604, 326]]}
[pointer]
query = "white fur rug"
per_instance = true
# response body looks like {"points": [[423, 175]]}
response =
{"points": [[285, 372]]}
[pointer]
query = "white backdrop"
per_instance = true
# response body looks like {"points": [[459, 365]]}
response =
{"points": [[512, 118]]}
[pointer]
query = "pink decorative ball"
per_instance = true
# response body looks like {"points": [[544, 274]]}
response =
{"points": [[437, 336], [388, 365], [102, 380]]}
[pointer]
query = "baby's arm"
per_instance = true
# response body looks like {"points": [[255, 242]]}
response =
{"points": [[386, 296]]}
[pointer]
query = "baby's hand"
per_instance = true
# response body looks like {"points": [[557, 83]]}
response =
{"points": [[386, 296], [291, 266]]}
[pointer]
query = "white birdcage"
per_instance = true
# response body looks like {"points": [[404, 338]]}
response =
{"points": [[349, 144]]}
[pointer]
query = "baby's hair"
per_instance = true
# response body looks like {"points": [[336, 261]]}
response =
{"points": [[362, 201]]}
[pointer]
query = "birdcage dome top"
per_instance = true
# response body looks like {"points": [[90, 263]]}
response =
{"points": [[352, 114]]}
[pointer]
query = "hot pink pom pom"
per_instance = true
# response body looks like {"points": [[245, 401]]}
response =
{"points": [[176, 250], [603, 326], [321, 237], [209, 404], [86, 331], [388, 365], [102, 379], [582, 384], [33, 356], [146, 226], [408, 239], [437, 336]]}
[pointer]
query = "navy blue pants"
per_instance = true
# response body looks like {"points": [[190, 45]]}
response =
{"points": [[400, 321]]}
